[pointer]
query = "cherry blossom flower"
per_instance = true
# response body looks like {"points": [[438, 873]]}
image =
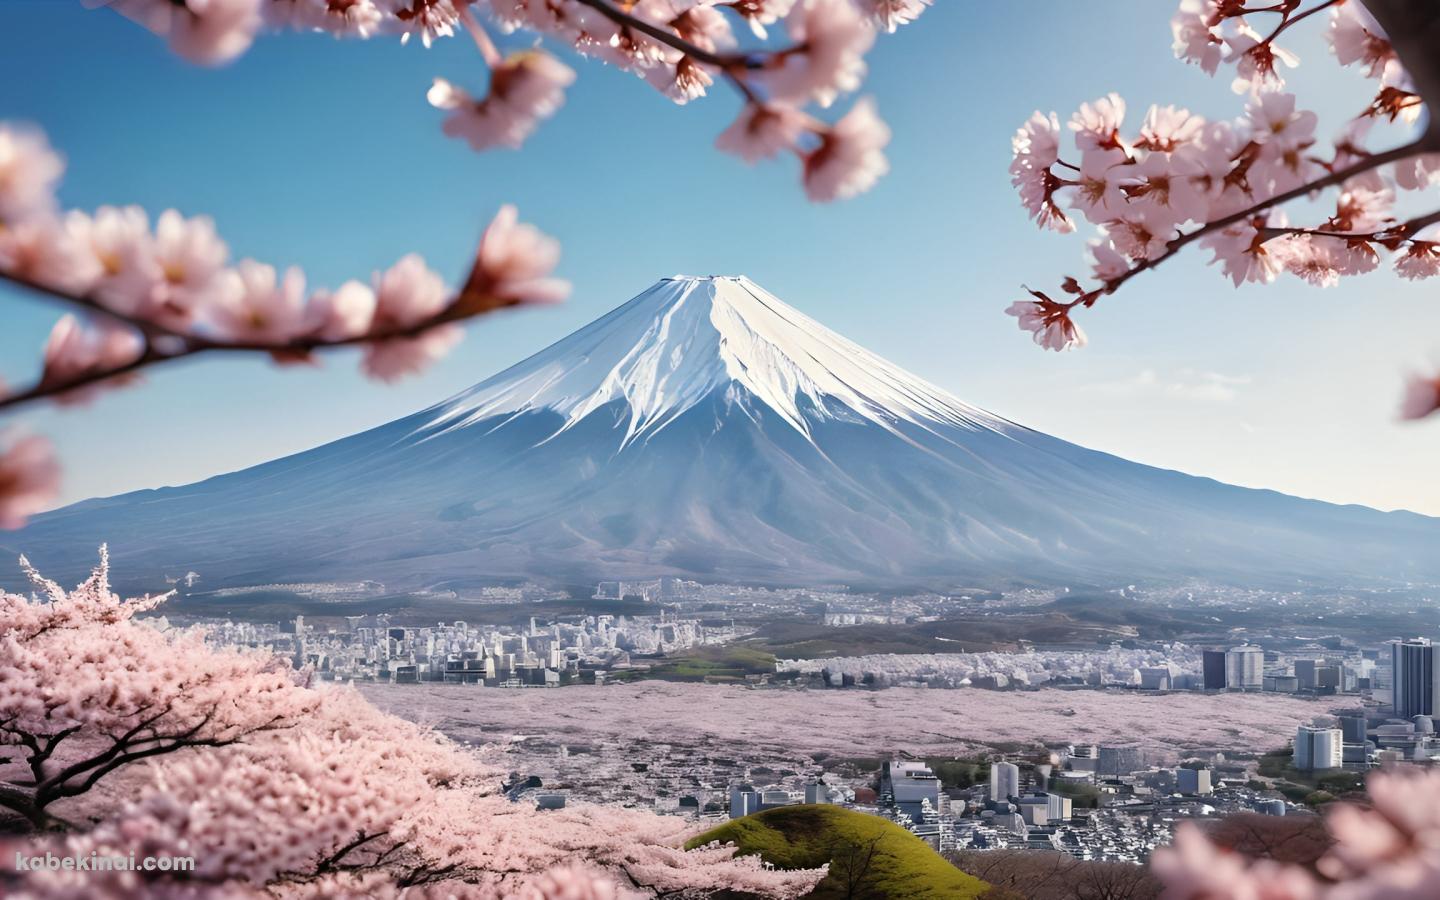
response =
{"points": [[394, 358], [407, 294], [29, 479], [120, 241], [891, 14], [1048, 321], [1195, 41], [208, 32], [1037, 189], [759, 13], [513, 265], [178, 275], [29, 172], [525, 88], [1036, 144], [1416, 173], [1255, 58], [1100, 192], [428, 18], [342, 314], [831, 39], [74, 350], [1109, 262], [693, 21], [1318, 260], [1142, 233], [1166, 128], [1354, 37], [50, 253], [849, 159], [1242, 253], [1278, 126], [762, 131], [1421, 259], [1160, 186], [258, 307], [342, 18], [1097, 124]]}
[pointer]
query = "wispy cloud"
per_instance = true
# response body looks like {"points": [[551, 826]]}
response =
{"points": [[1186, 384]]}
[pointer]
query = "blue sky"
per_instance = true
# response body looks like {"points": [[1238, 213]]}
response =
{"points": [[322, 153]]}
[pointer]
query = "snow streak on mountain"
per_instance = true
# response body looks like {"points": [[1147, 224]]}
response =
{"points": [[707, 429]]}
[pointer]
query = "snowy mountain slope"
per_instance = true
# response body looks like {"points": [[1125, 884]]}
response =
{"points": [[709, 430]]}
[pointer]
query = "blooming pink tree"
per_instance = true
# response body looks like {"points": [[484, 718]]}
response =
{"points": [[276, 787], [1179, 179], [86, 692]]}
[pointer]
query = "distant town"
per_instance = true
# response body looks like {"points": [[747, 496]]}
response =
{"points": [[1115, 801]]}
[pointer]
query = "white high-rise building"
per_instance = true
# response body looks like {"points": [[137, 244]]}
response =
{"points": [[1004, 781], [1245, 668], [1318, 747]]}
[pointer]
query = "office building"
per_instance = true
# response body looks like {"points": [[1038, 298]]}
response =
{"points": [[1413, 677], [1244, 668], [1353, 728], [1004, 781], [1318, 748], [1193, 781], [1213, 670]]}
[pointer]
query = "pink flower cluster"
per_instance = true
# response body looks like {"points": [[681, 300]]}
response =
{"points": [[277, 788], [1178, 178], [681, 47], [156, 293], [176, 280], [1389, 849]]}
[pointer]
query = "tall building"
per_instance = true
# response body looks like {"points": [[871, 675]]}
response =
{"points": [[1318, 747], [1305, 673], [1213, 671], [1353, 728], [1245, 668], [1193, 781], [911, 784], [1004, 781], [1413, 677]]}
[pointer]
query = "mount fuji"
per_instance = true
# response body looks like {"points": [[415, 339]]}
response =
{"points": [[706, 429]]}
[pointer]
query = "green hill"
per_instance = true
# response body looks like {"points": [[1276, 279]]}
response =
{"points": [[869, 856]]}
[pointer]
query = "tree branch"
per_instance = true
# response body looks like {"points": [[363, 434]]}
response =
{"points": [[1422, 145], [724, 62], [164, 345]]}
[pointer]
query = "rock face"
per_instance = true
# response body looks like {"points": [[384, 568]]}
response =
{"points": [[706, 429]]}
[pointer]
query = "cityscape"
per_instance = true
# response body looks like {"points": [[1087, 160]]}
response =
{"points": [[1347, 708]]}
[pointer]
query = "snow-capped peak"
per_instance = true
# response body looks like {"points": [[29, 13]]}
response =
{"points": [[688, 337]]}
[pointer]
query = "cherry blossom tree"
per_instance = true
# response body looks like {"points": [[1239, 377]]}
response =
{"points": [[279, 788], [1179, 179], [1389, 849]]}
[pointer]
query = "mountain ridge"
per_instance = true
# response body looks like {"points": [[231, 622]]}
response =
{"points": [[706, 429]]}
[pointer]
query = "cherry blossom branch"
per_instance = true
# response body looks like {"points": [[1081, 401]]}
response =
{"points": [[1426, 143], [724, 62], [1396, 233], [162, 345]]}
